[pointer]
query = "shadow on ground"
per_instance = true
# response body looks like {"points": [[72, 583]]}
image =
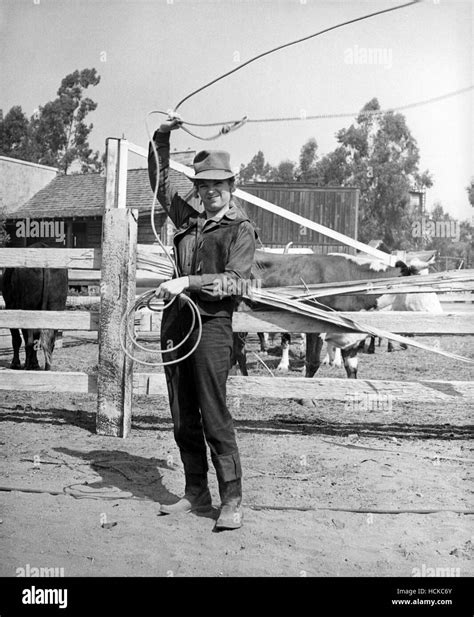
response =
{"points": [[123, 474]]}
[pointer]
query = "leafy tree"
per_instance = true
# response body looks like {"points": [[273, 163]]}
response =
{"points": [[451, 238], [14, 133], [307, 163], [377, 154], [4, 236], [57, 134], [284, 172], [332, 169], [470, 192], [258, 170]]}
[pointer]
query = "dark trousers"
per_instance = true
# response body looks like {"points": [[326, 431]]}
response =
{"points": [[197, 392]]}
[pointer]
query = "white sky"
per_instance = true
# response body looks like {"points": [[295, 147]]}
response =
{"points": [[157, 51]]}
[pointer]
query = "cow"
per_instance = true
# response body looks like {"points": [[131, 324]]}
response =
{"points": [[277, 270], [427, 302], [34, 289]]}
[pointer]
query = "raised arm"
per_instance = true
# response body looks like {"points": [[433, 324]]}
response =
{"points": [[175, 207]]}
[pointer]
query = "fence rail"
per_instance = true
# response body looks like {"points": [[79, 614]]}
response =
{"points": [[423, 324], [281, 388], [115, 266]]}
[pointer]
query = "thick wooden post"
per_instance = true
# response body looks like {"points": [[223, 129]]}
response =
{"points": [[117, 294]]}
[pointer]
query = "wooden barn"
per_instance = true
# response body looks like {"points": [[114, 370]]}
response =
{"points": [[67, 212], [333, 207]]}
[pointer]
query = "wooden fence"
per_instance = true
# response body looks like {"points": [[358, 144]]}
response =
{"points": [[115, 381]]}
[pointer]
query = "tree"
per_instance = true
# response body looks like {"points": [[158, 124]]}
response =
{"points": [[470, 192], [284, 172], [57, 134], [14, 133], [308, 156], [449, 237], [4, 236], [257, 170], [379, 156], [332, 169]]}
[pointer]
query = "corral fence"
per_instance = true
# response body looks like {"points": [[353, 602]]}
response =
{"points": [[115, 265]]}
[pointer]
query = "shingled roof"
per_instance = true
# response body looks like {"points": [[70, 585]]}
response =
{"points": [[83, 195]]}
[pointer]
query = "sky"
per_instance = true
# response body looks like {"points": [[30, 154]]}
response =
{"points": [[151, 53]]}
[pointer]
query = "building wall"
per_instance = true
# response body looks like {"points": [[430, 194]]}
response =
{"points": [[85, 232], [336, 208], [20, 180]]}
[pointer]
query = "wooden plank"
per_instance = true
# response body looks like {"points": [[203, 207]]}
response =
{"points": [[57, 320], [428, 324], [326, 389], [464, 297], [398, 322], [47, 381], [111, 166], [422, 324], [117, 295], [87, 259], [255, 387], [122, 175], [150, 257], [138, 150], [70, 301], [144, 278]]}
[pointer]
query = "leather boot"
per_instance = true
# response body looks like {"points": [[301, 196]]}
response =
{"points": [[231, 515], [197, 497]]}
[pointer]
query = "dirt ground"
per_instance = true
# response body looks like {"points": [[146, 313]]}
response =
{"points": [[97, 510]]}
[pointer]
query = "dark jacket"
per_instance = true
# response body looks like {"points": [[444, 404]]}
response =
{"points": [[218, 255]]}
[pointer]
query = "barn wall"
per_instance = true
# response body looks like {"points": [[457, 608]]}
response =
{"points": [[145, 232], [336, 208], [94, 234], [85, 232]]}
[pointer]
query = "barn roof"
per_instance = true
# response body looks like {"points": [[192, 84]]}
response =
{"points": [[83, 195]]}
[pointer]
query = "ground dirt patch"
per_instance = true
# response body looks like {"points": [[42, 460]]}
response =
{"points": [[298, 463]]}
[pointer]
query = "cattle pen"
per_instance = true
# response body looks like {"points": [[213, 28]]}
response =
{"points": [[116, 265]]}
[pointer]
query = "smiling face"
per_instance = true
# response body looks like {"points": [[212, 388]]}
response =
{"points": [[215, 194]]}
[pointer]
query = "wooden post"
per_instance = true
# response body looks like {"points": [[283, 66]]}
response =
{"points": [[117, 294]]}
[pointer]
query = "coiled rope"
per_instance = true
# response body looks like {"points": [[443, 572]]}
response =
{"points": [[144, 301]]}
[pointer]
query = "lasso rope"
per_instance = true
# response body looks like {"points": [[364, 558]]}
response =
{"points": [[145, 299], [227, 127], [365, 113], [296, 42]]}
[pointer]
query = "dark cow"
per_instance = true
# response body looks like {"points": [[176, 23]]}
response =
{"points": [[277, 270], [34, 289]]}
